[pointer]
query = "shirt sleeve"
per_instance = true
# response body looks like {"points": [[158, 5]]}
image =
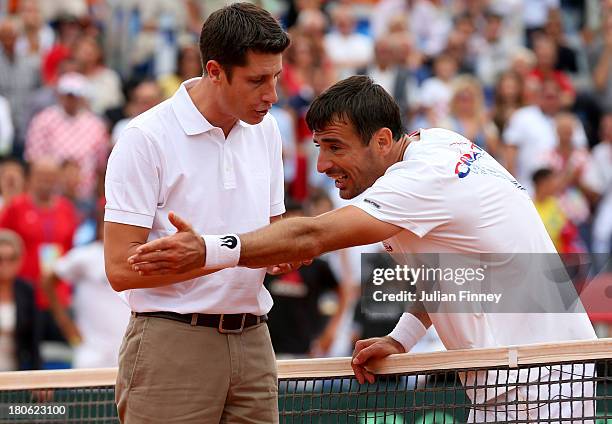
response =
{"points": [[277, 180], [409, 196], [132, 180]]}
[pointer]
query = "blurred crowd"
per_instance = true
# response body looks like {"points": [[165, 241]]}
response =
{"points": [[529, 81]]}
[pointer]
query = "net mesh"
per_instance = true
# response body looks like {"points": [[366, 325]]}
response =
{"points": [[576, 391]]}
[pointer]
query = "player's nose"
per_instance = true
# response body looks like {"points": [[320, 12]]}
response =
{"points": [[323, 164]]}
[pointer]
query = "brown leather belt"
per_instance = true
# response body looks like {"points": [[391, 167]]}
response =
{"points": [[225, 323]]}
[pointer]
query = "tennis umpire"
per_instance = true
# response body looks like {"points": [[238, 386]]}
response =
{"points": [[433, 191], [196, 349]]}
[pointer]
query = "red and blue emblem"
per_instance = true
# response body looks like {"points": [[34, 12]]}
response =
{"points": [[464, 165]]}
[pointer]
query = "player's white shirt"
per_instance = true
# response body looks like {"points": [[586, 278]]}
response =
{"points": [[450, 196], [101, 316]]}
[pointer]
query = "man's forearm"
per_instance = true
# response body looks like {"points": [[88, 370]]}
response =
{"points": [[127, 279], [123, 277], [288, 240]]}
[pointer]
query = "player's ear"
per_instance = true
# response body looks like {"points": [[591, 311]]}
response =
{"points": [[383, 139]]}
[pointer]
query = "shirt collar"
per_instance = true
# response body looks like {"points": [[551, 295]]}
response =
{"points": [[188, 115]]}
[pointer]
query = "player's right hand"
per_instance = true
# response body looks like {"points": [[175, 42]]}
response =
{"points": [[181, 252], [368, 350]]}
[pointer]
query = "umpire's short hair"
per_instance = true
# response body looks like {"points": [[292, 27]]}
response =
{"points": [[229, 33], [359, 101]]}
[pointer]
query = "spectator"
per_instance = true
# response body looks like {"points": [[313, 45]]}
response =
{"points": [[12, 180], [600, 59], [601, 176], [571, 165], [430, 25], [38, 37], [6, 128], [545, 69], [392, 75], [46, 95], [347, 49], [312, 23], [531, 135], [462, 43], [188, 65], [567, 60], [304, 59], [436, 92], [535, 14], [100, 316], [69, 31], [522, 62], [18, 77], [560, 229], [507, 98], [19, 320], [46, 222], [144, 96], [297, 326], [385, 11], [493, 56], [104, 82], [70, 131], [468, 115]]}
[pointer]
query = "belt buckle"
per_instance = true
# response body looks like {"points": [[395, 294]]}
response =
{"points": [[226, 331]]}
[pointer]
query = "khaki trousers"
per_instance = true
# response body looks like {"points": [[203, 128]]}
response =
{"points": [[172, 372]]}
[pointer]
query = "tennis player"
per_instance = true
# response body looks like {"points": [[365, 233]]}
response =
{"points": [[197, 349], [433, 191]]}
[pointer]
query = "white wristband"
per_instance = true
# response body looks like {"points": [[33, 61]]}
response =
{"points": [[221, 251], [408, 331]]}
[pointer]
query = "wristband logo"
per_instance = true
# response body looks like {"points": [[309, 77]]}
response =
{"points": [[229, 241]]}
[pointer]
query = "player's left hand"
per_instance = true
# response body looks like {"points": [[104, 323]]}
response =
{"points": [[176, 254]]}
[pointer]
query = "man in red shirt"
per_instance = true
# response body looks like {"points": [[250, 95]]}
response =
{"points": [[46, 222], [546, 59]]}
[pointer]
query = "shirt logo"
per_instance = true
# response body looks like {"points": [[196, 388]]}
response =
{"points": [[229, 241], [464, 165], [387, 246], [373, 203]]}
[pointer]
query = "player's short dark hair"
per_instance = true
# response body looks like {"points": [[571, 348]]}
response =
{"points": [[358, 100], [229, 33], [541, 175]]}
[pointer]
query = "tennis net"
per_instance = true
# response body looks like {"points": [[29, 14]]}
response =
{"points": [[565, 382]]}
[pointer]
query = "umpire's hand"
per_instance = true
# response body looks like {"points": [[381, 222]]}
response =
{"points": [[368, 350], [181, 252]]}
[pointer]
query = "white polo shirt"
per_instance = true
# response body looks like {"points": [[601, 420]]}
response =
{"points": [[171, 158], [451, 196]]}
